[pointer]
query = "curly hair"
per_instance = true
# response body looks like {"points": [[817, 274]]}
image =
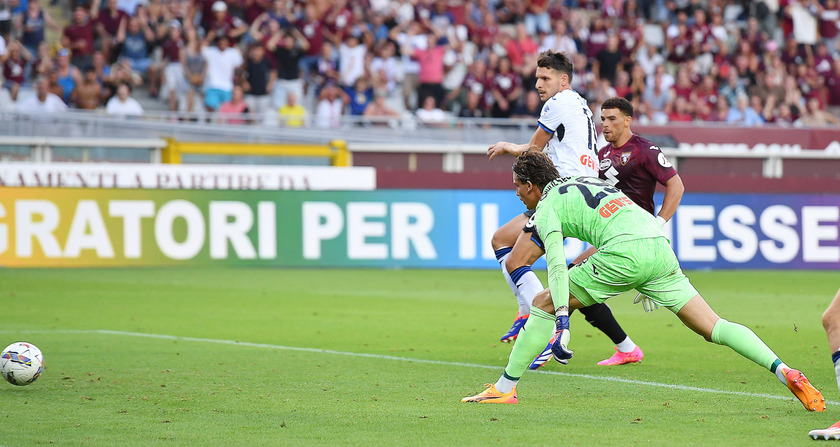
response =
{"points": [[619, 103], [535, 167]]}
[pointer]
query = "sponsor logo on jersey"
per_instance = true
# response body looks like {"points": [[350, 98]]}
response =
{"points": [[588, 161], [664, 161], [614, 205], [605, 164], [625, 157]]}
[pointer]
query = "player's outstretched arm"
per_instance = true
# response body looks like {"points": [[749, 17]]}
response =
{"points": [[538, 142]]}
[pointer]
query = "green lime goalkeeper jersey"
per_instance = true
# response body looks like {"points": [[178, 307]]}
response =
{"points": [[589, 209]]}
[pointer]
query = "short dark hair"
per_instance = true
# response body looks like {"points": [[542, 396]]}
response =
{"points": [[556, 61], [535, 167], [619, 103]]}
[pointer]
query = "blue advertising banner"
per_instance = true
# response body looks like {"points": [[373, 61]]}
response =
{"points": [[74, 227]]}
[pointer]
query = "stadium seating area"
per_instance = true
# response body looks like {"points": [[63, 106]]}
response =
{"points": [[314, 63]]}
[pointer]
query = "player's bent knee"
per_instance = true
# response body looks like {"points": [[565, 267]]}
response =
{"points": [[543, 301]]}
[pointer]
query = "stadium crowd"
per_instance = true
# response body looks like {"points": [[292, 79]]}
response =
{"points": [[314, 62]]}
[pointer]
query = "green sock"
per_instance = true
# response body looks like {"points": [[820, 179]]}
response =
{"points": [[744, 341], [531, 341]]}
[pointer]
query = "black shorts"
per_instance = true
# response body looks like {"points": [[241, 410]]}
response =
{"points": [[531, 229]]}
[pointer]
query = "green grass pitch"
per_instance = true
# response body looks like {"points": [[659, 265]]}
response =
{"points": [[212, 356]]}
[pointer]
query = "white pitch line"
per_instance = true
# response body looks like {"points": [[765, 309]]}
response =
{"points": [[408, 359]]}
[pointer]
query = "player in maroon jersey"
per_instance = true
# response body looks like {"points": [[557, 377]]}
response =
{"points": [[634, 165]]}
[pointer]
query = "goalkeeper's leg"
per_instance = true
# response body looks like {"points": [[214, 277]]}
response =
{"points": [[699, 317]]}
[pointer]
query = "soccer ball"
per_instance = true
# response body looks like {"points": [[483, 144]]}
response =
{"points": [[21, 363]]}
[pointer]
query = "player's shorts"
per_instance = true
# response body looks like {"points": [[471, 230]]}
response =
{"points": [[531, 229], [647, 265]]}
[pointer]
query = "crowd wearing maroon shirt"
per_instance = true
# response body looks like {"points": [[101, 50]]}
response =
{"points": [[707, 61]]}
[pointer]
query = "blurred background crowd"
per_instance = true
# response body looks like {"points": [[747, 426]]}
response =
{"points": [[318, 62]]}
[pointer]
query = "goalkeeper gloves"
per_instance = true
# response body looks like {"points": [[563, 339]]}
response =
{"points": [[560, 349], [648, 304]]}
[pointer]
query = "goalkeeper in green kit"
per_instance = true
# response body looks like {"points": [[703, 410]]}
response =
{"points": [[633, 253]]}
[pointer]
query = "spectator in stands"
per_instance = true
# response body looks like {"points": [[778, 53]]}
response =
{"points": [[430, 58], [607, 61], [68, 75], [52, 84], [378, 112], [42, 101], [680, 111], [121, 73], [832, 83], [291, 114], [259, 77], [648, 58], [222, 23], [473, 107], [14, 65], [361, 95], [171, 60], [537, 20], [386, 65], [657, 97], [235, 110], [31, 25], [194, 69], [476, 81], [135, 42], [312, 28], [531, 107], [88, 93], [506, 88], [108, 23], [351, 61], [742, 114], [560, 41], [331, 103], [430, 115], [222, 62], [815, 115], [122, 104], [288, 47], [733, 88], [43, 62], [78, 37], [326, 68]]}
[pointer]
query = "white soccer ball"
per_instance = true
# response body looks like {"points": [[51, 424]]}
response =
{"points": [[21, 363]]}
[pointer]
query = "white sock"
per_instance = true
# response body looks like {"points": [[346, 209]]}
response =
{"points": [[505, 385], [626, 345], [780, 372], [837, 371], [524, 308], [529, 286]]}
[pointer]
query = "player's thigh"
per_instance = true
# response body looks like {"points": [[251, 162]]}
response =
{"points": [[663, 280], [507, 234], [525, 251], [602, 276]]}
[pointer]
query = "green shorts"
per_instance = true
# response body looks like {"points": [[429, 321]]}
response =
{"points": [[647, 265]]}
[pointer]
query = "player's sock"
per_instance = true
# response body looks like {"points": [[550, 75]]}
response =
{"points": [[505, 385], [527, 284], [530, 343], [744, 341], [600, 317], [501, 256]]}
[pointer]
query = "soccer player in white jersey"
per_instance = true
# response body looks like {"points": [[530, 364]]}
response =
{"points": [[566, 133]]}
